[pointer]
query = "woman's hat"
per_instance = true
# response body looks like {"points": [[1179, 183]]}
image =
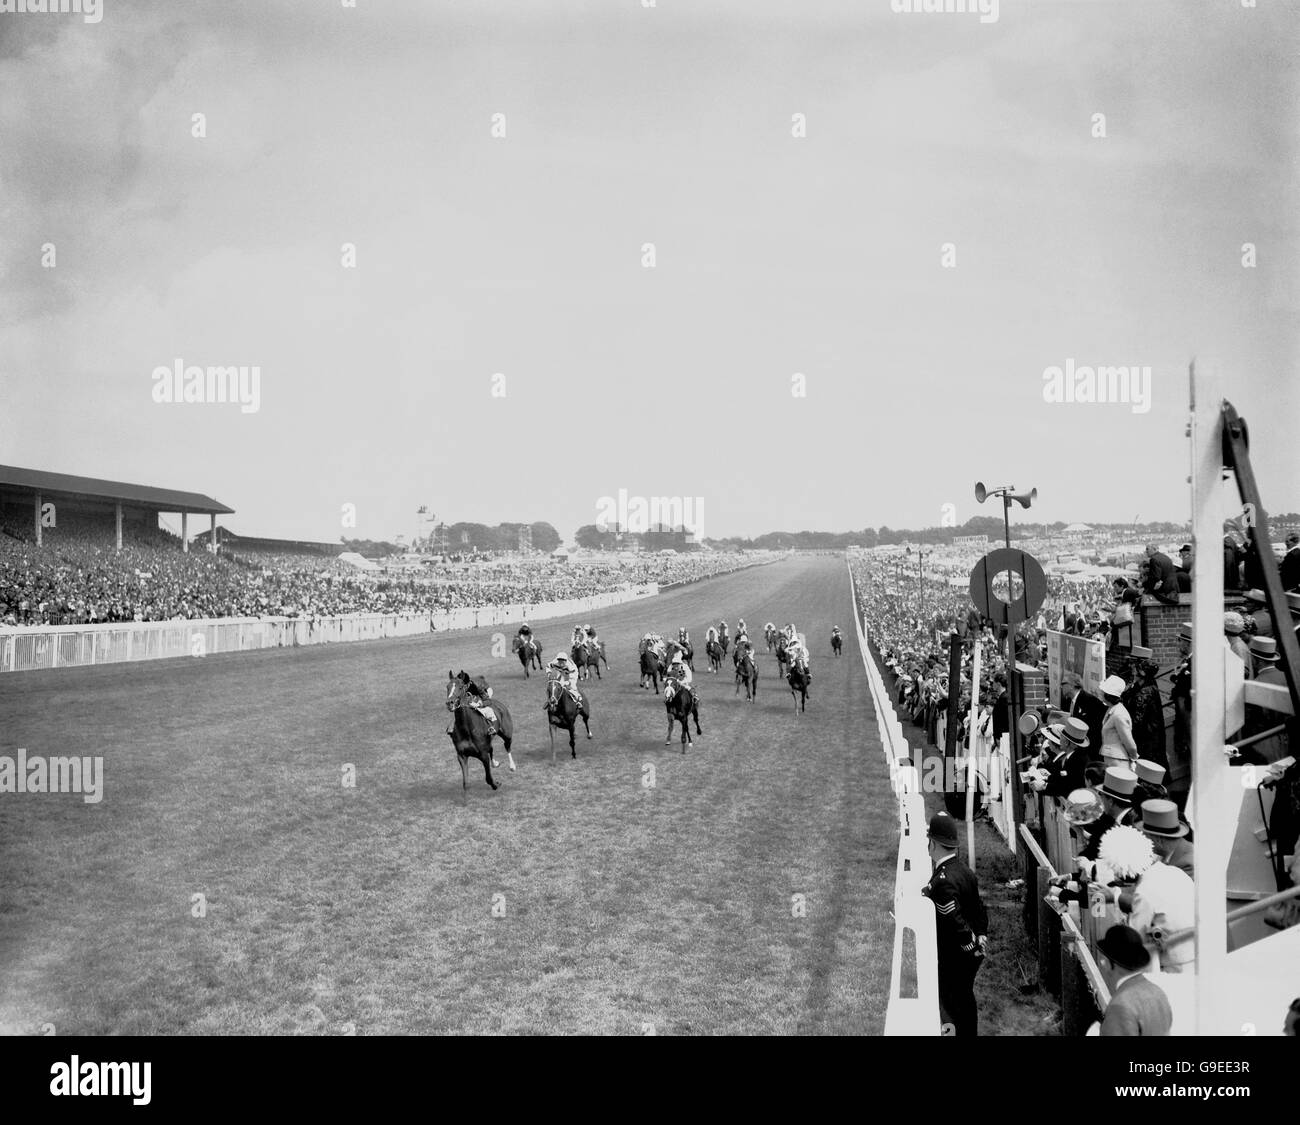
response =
{"points": [[1082, 806], [1113, 686], [1232, 623], [1256, 596], [1160, 818], [1119, 784]]}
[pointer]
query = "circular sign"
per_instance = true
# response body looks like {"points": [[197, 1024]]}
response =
{"points": [[1033, 586]]}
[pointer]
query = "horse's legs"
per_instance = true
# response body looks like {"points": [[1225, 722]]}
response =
{"points": [[669, 739], [695, 713], [487, 769], [585, 725], [464, 770], [510, 757], [573, 750]]}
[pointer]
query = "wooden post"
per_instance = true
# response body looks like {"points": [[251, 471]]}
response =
{"points": [[38, 519], [214, 533], [1071, 990], [1048, 943], [117, 515], [185, 532]]}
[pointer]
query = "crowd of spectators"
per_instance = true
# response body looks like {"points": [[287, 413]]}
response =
{"points": [[78, 580]]}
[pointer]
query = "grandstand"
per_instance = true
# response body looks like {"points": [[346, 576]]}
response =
{"points": [[35, 504]]}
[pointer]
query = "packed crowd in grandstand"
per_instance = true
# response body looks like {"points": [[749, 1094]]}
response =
{"points": [[83, 580]]}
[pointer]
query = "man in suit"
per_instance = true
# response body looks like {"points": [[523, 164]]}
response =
{"points": [[1184, 572], [961, 925], [1117, 802], [1137, 1007], [1291, 563], [1086, 706], [1070, 758], [1161, 581]]}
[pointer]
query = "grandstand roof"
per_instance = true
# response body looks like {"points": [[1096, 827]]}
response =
{"points": [[164, 499]]}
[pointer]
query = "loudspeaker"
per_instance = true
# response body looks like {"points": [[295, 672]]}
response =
{"points": [[1024, 499], [981, 493]]}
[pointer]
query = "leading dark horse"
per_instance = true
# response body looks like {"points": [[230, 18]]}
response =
{"points": [[836, 643], [530, 653], [747, 674], [798, 681], [470, 733], [714, 653], [782, 660], [683, 705], [563, 712]]}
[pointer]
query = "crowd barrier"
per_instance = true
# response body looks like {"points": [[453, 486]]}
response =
{"points": [[65, 646], [913, 912]]}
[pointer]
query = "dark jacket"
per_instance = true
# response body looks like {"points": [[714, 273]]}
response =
{"points": [[959, 911], [1291, 569], [1161, 581], [1065, 774], [1091, 710]]}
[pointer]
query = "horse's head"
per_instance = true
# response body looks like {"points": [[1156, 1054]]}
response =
{"points": [[455, 689]]}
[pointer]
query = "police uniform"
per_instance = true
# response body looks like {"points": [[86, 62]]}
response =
{"points": [[960, 921]]}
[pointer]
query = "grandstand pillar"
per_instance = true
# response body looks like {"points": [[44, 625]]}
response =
{"points": [[214, 533], [1215, 791], [185, 531], [117, 512], [38, 519]]}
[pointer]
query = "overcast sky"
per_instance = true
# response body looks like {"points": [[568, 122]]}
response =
{"points": [[523, 255]]}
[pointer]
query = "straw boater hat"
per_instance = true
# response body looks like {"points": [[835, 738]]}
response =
{"points": [[1264, 648], [1150, 773], [1119, 784], [1029, 722], [1185, 631], [1160, 818], [1113, 686], [1074, 732], [1052, 735], [1256, 596]]}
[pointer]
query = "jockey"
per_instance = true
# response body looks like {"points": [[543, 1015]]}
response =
{"points": [[798, 655], [562, 671], [740, 630], [592, 643], [678, 676], [653, 642], [743, 645], [477, 694], [769, 628], [684, 639], [579, 637], [711, 637], [722, 630], [525, 633]]}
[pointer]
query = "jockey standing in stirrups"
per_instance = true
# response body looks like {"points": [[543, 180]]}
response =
{"points": [[722, 633], [579, 637], [678, 677], [561, 670], [742, 638]]}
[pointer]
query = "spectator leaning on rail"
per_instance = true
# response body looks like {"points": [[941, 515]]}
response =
{"points": [[1160, 904], [961, 925], [1137, 1006], [1161, 581]]}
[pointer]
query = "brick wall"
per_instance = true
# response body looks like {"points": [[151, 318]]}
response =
{"points": [[1160, 624], [1033, 686]]}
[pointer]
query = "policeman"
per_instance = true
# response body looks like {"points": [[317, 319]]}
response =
{"points": [[961, 925]]}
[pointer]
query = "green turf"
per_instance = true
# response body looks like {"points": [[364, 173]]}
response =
{"points": [[371, 909]]}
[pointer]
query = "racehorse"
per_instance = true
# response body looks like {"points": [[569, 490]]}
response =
{"points": [[588, 659], [652, 669], [797, 678], [714, 652], [836, 643], [530, 652], [683, 705], [747, 673], [782, 660], [565, 714], [470, 733], [770, 633]]}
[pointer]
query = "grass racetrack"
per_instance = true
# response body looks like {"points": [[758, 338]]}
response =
{"points": [[575, 899]]}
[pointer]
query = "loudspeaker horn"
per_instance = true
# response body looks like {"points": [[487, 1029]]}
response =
{"points": [[1024, 499], [981, 493]]}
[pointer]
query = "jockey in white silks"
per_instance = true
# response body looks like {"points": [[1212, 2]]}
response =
{"points": [[563, 671], [711, 637], [678, 676], [579, 637], [797, 651]]}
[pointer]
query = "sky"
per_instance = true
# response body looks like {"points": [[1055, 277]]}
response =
{"points": [[500, 352]]}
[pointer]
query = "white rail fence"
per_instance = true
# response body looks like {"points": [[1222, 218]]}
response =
{"points": [[913, 912], [66, 646]]}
